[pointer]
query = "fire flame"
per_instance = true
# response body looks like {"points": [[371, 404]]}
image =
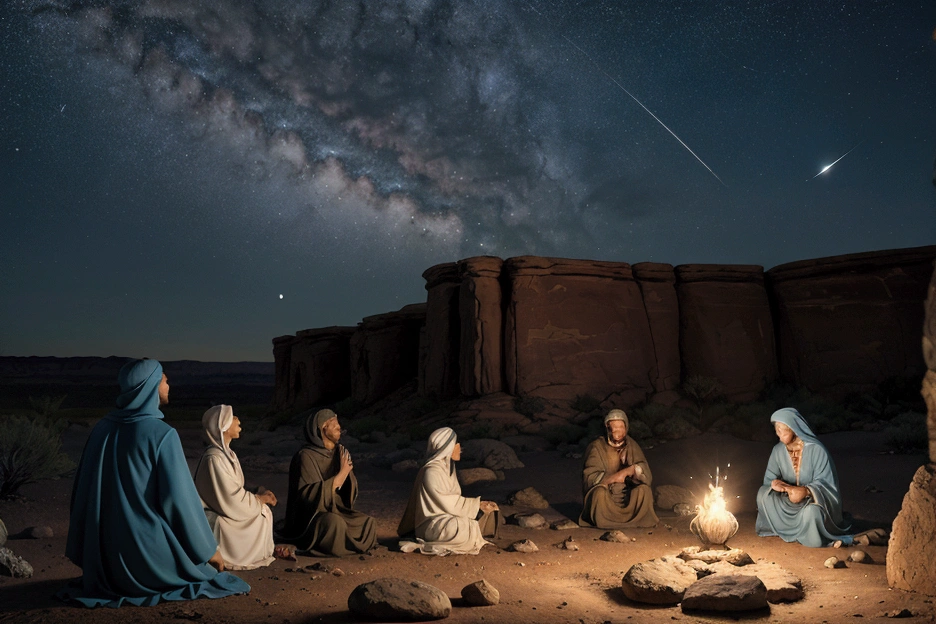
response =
{"points": [[713, 523]]}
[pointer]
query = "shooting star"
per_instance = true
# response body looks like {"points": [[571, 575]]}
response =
{"points": [[827, 167], [63, 108], [621, 87]]}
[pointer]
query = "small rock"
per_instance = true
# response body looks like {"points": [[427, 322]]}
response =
{"points": [[11, 565], [734, 556], [480, 594], [405, 465], [531, 521], [528, 497], [722, 592], [568, 544], [43, 532], [833, 562], [396, 599], [337, 572], [860, 556], [899, 613], [682, 509], [470, 476], [563, 525], [616, 536], [523, 546], [320, 566]]}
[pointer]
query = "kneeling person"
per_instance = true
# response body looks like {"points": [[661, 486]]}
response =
{"points": [[320, 515], [616, 480]]}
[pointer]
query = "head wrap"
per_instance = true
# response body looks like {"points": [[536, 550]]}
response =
{"points": [[313, 427], [216, 421], [617, 414], [795, 421], [139, 382], [441, 445]]}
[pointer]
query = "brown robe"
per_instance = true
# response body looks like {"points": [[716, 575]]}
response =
{"points": [[618, 505], [319, 519]]}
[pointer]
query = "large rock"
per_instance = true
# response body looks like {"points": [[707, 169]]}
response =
{"points": [[722, 592], [12, 565], [658, 581], [312, 367], [480, 594], [385, 352], [576, 327], [395, 599], [470, 476], [726, 327], [657, 284], [438, 370], [782, 585], [479, 305], [929, 356], [528, 497], [911, 552], [492, 454], [847, 323]]}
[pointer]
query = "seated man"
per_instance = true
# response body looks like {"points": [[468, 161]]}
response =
{"points": [[137, 529], [616, 480], [241, 521], [320, 515]]}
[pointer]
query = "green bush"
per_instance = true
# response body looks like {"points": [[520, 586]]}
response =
{"points": [[30, 451]]}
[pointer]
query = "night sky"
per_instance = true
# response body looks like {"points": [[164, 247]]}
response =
{"points": [[188, 179]]}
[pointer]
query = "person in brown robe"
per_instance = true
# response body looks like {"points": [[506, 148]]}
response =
{"points": [[616, 480], [320, 516]]}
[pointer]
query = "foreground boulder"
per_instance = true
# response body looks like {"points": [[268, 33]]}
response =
{"points": [[722, 592], [782, 585], [14, 566], [911, 553], [658, 581], [396, 599]]}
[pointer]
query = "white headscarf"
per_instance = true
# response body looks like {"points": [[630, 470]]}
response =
{"points": [[441, 446], [216, 421]]}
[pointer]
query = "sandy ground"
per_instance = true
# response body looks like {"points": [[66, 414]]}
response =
{"points": [[551, 585]]}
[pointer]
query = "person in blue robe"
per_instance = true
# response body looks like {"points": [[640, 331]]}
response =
{"points": [[800, 499], [137, 528]]}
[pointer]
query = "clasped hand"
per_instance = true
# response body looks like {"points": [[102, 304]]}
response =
{"points": [[796, 492], [488, 506]]}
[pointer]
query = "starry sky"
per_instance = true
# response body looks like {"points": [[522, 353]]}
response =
{"points": [[188, 179]]}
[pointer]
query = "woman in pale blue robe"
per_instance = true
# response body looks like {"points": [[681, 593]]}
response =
{"points": [[802, 506], [137, 529]]}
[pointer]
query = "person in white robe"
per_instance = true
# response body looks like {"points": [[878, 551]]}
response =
{"points": [[241, 521], [443, 521]]}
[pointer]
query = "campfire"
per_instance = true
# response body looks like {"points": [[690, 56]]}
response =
{"points": [[713, 524]]}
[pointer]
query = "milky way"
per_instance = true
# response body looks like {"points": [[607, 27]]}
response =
{"points": [[172, 167]]}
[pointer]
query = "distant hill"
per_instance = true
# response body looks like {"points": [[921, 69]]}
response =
{"points": [[92, 381]]}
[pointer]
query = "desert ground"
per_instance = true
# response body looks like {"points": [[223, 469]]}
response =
{"points": [[551, 585]]}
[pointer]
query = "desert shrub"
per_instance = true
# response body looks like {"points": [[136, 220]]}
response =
{"points": [[30, 450], [702, 391], [585, 403], [529, 406], [907, 433], [46, 406]]}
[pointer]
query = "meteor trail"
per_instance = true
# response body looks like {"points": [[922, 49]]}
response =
{"points": [[621, 87], [827, 167]]}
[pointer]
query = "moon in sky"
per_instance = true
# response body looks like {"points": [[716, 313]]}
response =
{"points": [[281, 296]]}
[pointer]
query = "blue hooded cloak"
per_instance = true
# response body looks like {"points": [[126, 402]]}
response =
{"points": [[137, 528], [817, 520]]}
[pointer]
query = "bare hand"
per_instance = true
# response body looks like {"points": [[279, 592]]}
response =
{"points": [[778, 485], [797, 494], [267, 497], [217, 561], [488, 506], [346, 464]]}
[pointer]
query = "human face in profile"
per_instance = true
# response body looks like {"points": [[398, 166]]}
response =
{"points": [[234, 431], [331, 430], [164, 390], [456, 452], [785, 434]]}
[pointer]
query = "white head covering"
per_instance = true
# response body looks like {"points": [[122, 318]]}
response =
{"points": [[216, 421], [441, 445]]}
